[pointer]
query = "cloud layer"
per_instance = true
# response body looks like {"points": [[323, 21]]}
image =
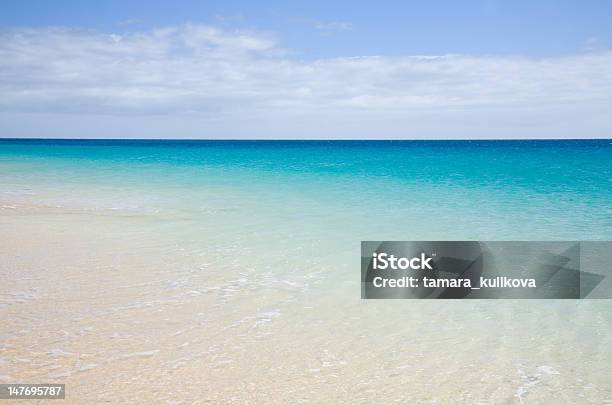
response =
{"points": [[215, 77]]}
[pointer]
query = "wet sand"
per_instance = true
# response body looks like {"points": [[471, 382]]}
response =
{"points": [[123, 314]]}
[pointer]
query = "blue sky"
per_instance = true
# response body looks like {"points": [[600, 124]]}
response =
{"points": [[359, 28], [318, 69]]}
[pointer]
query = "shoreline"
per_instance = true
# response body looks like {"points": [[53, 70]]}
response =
{"points": [[123, 310]]}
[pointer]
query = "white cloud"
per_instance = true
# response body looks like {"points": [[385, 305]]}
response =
{"points": [[216, 77]]}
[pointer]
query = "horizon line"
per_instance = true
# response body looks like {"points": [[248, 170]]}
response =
{"points": [[301, 139]]}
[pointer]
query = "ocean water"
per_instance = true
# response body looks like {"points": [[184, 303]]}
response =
{"points": [[346, 191], [239, 261]]}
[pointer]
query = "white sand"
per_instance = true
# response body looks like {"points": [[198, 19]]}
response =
{"points": [[119, 313]]}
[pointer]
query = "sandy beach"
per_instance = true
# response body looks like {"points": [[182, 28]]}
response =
{"points": [[272, 202], [124, 315]]}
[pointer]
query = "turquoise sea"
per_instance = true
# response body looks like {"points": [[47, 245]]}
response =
{"points": [[231, 269], [337, 192]]}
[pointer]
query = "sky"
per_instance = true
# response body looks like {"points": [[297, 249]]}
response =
{"points": [[317, 69]]}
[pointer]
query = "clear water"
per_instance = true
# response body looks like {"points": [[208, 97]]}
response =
{"points": [[343, 191], [250, 249]]}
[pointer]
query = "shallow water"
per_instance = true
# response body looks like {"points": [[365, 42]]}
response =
{"points": [[229, 271]]}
